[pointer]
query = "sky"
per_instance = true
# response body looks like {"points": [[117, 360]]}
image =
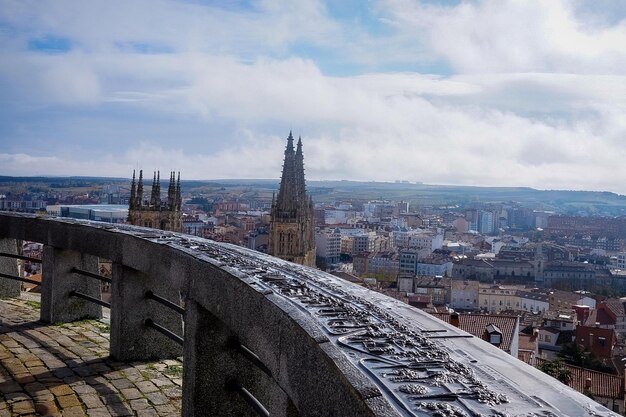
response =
{"points": [[472, 92]]}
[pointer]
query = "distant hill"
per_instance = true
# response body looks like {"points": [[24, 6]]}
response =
{"points": [[418, 194]]}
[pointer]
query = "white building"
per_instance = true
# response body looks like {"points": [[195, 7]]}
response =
{"points": [[464, 295], [328, 245], [485, 222], [110, 213], [356, 243], [383, 263], [533, 302], [418, 239], [434, 267], [338, 216]]}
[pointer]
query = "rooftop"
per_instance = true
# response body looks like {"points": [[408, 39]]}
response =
{"points": [[477, 324]]}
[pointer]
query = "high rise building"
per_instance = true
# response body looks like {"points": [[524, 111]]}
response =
{"points": [[292, 234], [164, 215], [485, 222]]}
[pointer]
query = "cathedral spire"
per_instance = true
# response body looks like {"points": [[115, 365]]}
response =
{"points": [[155, 212], [289, 142], [292, 220], [299, 173], [171, 192], [286, 202], [155, 196], [179, 200], [139, 201], [158, 189], [133, 192]]}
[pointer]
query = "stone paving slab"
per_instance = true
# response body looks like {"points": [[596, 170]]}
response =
{"points": [[64, 370]]}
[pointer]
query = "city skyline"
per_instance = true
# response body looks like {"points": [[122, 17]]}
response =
{"points": [[441, 92]]}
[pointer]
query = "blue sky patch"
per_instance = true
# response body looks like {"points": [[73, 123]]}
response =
{"points": [[50, 44], [144, 48]]}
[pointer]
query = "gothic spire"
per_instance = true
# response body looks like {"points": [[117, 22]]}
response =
{"points": [[299, 173], [139, 201], [286, 202], [179, 200], [133, 193], [171, 192], [158, 189], [155, 196], [292, 225]]}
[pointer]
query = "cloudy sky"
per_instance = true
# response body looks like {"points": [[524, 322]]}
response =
{"points": [[476, 92]]}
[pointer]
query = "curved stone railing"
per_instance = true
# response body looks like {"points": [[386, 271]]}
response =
{"points": [[267, 337]]}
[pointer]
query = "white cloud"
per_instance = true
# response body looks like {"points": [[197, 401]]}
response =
{"points": [[518, 36], [179, 26], [544, 107]]}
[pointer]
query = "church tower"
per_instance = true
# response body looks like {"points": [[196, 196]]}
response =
{"points": [[156, 213], [292, 234]]}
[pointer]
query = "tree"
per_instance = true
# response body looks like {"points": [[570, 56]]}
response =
{"points": [[575, 355], [557, 369]]}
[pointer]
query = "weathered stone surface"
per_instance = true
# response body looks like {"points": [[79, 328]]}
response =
{"points": [[9, 288], [323, 341], [74, 396], [68, 401], [131, 339], [56, 303]]}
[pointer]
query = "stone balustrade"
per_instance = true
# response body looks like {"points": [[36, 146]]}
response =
{"points": [[261, 336]]}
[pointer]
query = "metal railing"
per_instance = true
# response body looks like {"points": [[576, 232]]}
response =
{"points": [[91, 275], [158, 327], [16, 278], [234, 385], [234, 343], [22, 257], [164, 331], [164, 301], [89, 298]]}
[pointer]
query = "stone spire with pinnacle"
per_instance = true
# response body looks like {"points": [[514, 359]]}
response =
{"points": [[299, 174], [179, 199], [133, 192], [292, 218], [171, 192], [155, 212], [139, 201], [286, 201], [155, 197]]}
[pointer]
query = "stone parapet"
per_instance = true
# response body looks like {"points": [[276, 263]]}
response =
{"points": [[314, 345]]}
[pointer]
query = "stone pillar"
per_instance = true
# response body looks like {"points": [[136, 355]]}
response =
{"points": [[9, 287], [210, 363], [131, 339], [57, 282], [207, 366]]}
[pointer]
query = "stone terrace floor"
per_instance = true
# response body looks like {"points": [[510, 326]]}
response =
{"points": [[64, 370]]}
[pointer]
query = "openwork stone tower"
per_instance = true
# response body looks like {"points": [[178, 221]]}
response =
{"points": [[292, 234], [164, 215]]}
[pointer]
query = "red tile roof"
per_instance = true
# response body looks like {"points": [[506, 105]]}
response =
{"points": [[602, 384], [476, 324]]}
